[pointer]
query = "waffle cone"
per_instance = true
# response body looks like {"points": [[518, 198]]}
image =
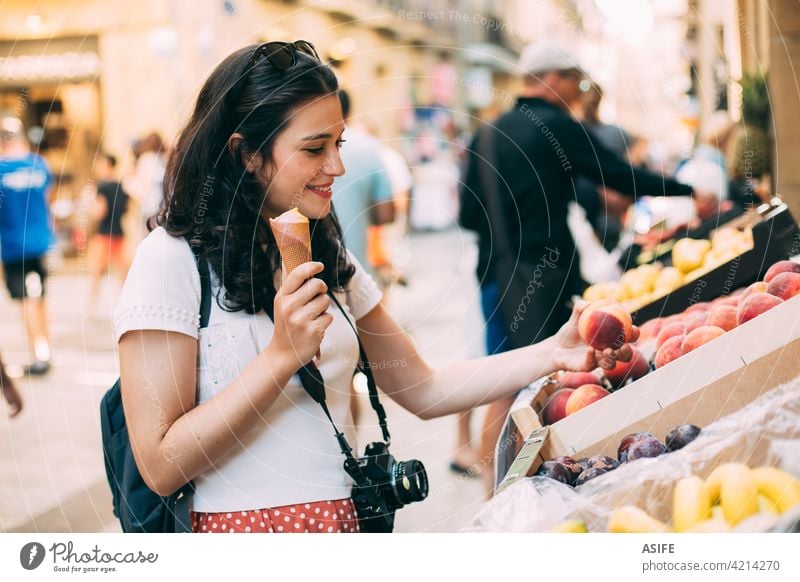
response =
{"points": [[294, 240]]}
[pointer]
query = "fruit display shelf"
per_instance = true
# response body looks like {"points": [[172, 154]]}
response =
{"points": [[714, 379], [775, 237]]}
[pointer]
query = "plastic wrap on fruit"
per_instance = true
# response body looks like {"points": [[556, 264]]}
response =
{"points": [[293, 238], [762, 435]]}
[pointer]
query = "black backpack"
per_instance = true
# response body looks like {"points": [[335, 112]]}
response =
{"points": [[138, 508]]}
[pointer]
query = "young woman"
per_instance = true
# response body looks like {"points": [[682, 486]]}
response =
{"points": [[222, 405]]}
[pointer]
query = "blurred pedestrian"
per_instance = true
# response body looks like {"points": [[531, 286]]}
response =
{"points": [[363, 196], [107, 245], [539, 149], [223, 406], [146, 185], [9, 390], [26, 233]]}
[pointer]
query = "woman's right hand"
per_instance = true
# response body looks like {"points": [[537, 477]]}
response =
{"points": [[301, 317]]}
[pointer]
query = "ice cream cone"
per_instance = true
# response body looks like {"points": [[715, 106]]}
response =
{"points": [[293, 238]]}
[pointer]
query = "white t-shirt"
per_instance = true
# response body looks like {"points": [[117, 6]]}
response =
{"points": [[291, 456]]}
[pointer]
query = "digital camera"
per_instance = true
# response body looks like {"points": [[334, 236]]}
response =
{"points": [[384, 485]]}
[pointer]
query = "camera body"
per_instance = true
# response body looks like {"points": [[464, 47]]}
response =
{"points": [[383, 485]]}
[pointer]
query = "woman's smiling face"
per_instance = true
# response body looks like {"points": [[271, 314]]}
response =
{"points": [[305, 160]]}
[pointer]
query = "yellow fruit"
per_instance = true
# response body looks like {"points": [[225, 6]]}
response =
{"points": [[766, 505], [635, 284], [669, 278], [600, 291], [734, 486], [688, 254], [631, 519], [778, 486], [691, 503], [715, 524], [571, 526]]}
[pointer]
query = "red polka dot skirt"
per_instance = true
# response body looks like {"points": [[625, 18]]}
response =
{"points": [[319, 517]]}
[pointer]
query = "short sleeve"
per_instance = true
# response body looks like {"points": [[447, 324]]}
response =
{"points": [[363, 293], [162, 290]]}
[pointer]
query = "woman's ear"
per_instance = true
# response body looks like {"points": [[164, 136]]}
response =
{"points": [[252, 162]]}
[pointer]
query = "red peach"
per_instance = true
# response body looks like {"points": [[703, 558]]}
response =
{"points": [[723, 316], [695, 320], [754, 305], [757, 287], [781, 267], [605, 324], [702, 335], [556, 406], [784, 285], [584, 396], [668, 331], [702, 306], [576, 379], [635, 369], [732, 300], [650, 329], [671, 350]]}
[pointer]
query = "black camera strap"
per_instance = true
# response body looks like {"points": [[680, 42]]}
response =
{"points": [[314, 384]]}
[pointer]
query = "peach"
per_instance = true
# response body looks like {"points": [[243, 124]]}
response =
{"points": [[576, 379], [754, 305], [694, 320], [634, 370], [702, 335], [757, 287], [669, 351], [670, 330], [781, 267], [584, 396], [702, 306], [605, 324], [723, 316], [784, 285], [732, 300], [556, 406], [650, 329]]}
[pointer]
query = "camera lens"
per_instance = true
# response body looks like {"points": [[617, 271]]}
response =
{"points": [[410, 481]]}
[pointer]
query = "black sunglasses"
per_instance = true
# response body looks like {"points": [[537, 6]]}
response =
{"points": [[282, 55]]}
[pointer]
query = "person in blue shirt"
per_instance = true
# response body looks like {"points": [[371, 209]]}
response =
{"points": [[26, 234], [363, 196]]}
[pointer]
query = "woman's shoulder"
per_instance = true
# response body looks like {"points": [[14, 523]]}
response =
{"points": [[161, 245]]}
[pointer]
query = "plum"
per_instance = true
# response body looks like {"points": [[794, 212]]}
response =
{"points": [[588, 475], [555, 471], [602, 462], [680, 436], [571, 464], [646, 447], [625, 444]]}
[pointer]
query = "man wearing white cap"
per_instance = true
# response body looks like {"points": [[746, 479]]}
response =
{"points": [[26, 234], [539, 150]]}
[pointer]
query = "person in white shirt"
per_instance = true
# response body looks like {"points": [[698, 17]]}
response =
{"points": [[222, 405]]}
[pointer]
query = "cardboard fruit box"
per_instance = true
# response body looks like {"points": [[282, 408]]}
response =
{"points": [[775, 237], [714, 380]]}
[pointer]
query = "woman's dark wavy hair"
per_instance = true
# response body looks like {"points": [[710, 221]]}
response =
{"points": [[214, 203]]}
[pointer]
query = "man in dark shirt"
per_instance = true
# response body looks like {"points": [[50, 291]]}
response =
{"points": [[540, 150]]}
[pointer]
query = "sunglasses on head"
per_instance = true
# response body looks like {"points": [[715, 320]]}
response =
{"points": [[282, 55]]}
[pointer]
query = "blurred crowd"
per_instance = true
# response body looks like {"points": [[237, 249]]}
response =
{"points": [[566, 179]]}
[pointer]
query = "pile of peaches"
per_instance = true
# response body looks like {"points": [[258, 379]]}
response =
{"points": [[679, 334], [606, 324]]}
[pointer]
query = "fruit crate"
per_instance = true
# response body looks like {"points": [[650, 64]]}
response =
{"points": [[775, 237], [714, 380], [634, 255]]}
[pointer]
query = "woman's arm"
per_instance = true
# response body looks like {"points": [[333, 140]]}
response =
{"points": [[173, 440], [402, 373]]}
